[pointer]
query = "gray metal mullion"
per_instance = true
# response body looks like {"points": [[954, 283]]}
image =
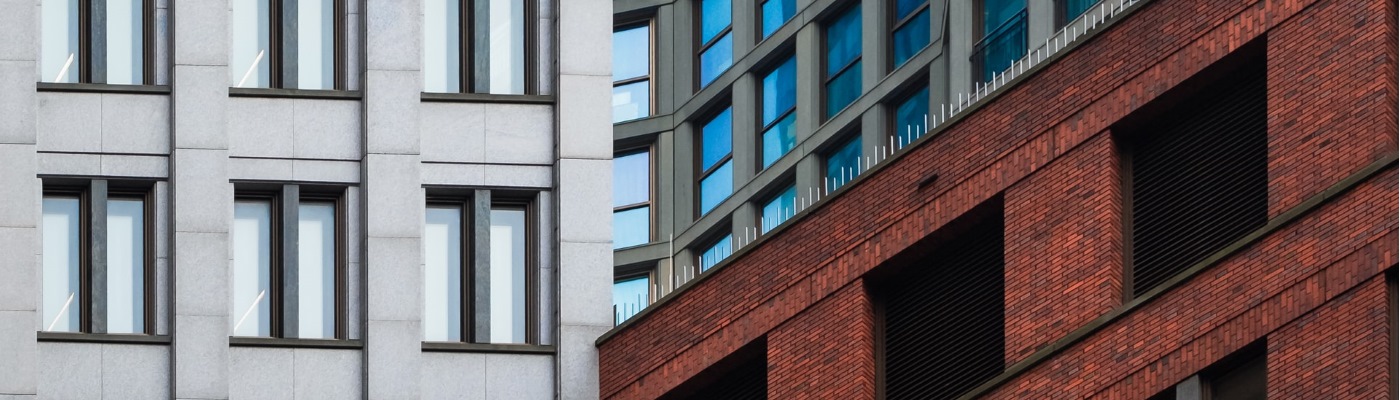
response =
{"points": [[290, 201], [97, 264], [289, 44], [97, 37], [481, 266]]}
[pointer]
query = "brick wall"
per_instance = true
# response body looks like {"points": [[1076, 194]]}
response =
{"points": [[827, 351], [1341, 350], [1054, 123]]}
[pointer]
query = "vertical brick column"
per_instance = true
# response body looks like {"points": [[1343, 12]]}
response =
{"points": [[827, 351], [1063, 247], [1340, 350]]}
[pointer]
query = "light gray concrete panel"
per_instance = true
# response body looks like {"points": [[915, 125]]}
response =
{"points": [[133, 123], [135, 166], [22, 189], [395, 278], [20, 28], [268, 169], [69, 164], [519, 376], [201, 186], [585, 120], [18, 396], [392, 29], [587, 38], [394, 359], [454, 132], [327, 129], [260, 127], [201, 277], [392, 106], [261, 373], [201, 94], [326, 374], [201, 357], [70, 122], [585, 200], [203, 38], [326, 171], [21, 350], [452, 376], [524, 176], [578, 361], [135, 371], [520, 133], [20, 286], [17, 97], [453, 174], [70, 370], [585, 283], [394, 205]]}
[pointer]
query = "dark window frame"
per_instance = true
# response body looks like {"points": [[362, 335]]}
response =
{"points": [[87, 71], [763, 128], [825, 53], [652, 167], [650, 23], [702, 47], [526, 203], [895, 23], [467, 68], [276, 14]]}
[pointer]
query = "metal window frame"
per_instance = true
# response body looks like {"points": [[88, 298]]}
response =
{"points": [[701, 174], [650, 150], [702, 47], [466, 58], [466, 299], [825, 53], [276, 36], [526, 202], [895, 23], [87, 192], [649, 22], [763, 128], [88, 70]]}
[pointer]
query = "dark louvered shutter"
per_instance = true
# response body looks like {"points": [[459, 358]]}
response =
{"points": [[944, 324], [748, 381], [1199, 177]]}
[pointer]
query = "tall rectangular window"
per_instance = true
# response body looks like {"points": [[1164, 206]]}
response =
{"points": [[289, 44], [1003, 28], [630, 295], [1069, 10], [477, 269], [778, 209], [96, 42], [96, 292], [443, 264], [843, 164], [717, 251], [775, 13], [843, 53], [631, 60], [716, 164], [288, 275], [632, 199], [476, 46], [911, 118], [779, 94], [716, 43], [910, 29]]}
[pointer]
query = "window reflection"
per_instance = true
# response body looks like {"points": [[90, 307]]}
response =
{"points": [[506, 320], [843, 68], [250, 311], [717, 252], [250, 64], [442, 273], [316, 270], [778, 209], [630, 296], [631, 73], [62, 298], [843, 165], [631, 199], [126, 261]]}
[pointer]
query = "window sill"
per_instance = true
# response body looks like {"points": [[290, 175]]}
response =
{"points": [[295, 93], [101, 88], [238, 341], [110, 338], [488, 98], [458, 347]]}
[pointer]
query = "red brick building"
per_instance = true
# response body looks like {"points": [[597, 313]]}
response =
{"points": [[1196, 196]]}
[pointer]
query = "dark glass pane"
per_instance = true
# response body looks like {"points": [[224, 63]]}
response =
{"points": [[843, 41], [779, 209], [714, 17], [631, 179], [631, 227], [631, 101], [997, 12], [902, 8], [716, 253], [779, 90], [1075, 8], [779, 139], [843, 164], [716, 187], [716, 138], [631, 56], [911, 38], [716, 59], [911, 118], [630, 297], [1002, 48], [775, 13], [842, 90]]}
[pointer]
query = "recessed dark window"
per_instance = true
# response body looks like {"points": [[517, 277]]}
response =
{"points": [[843, 56], [910, 32], [743, 375], [1002, 24], [779, 111]]}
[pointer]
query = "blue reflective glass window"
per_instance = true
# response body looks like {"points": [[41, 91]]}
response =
{"points": [[1075, 8], [630, 296], [910, 37], [716, 59], [779, 139], [631, 199], [716, 137], [1004, 41], [997, 12], [631, 101], [843, 41], [779, 91], [911, 118], [631, 52], [714, 18], [779, 209], [631, 227], [776, 13], [716, 187], [716, 252], [843, 164], [902, 8], [842, 89]]}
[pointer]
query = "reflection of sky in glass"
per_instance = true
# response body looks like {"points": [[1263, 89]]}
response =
{"points": [[126, 261], [779, 139], [62, 299], [631, 227], [250, 313], [716, 59], [716, 253], [842, 90], [716, 187], [631, 52], [124, 42], [775, 13], [911, 118], [911, 38], [716, 139], [631, 101], [844, 164], [996, 12], [779, 90], [629, 297], [507, 301], [779, 209], [315, 44], [843, 41], [442, 47], [442, 274], [248, 58], [59, 58], [316, 271], [631, 179], [714, 17], [505, 50]]}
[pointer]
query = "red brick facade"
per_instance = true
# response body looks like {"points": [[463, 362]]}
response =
{"points": [[1313, 289]]}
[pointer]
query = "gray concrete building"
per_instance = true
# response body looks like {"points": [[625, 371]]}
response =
{"points": [[303, 199], [732, 116]]}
